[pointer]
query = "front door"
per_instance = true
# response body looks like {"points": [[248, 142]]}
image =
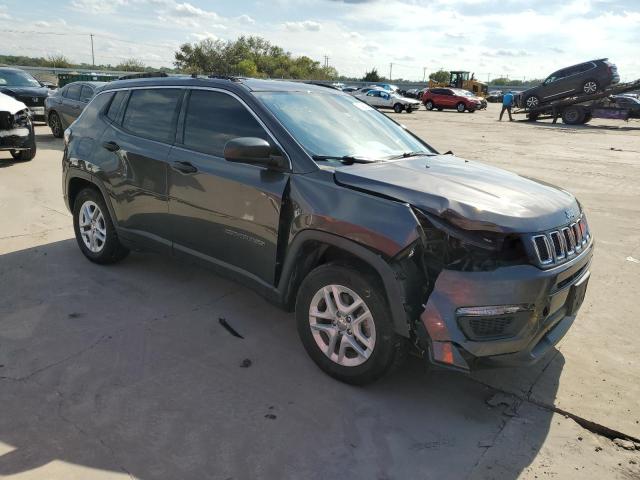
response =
{"points": [[226, 213]]}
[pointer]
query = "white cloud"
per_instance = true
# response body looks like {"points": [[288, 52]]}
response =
{"points": [[307, 25], [188, 10], [97, 7], [245, 19]]}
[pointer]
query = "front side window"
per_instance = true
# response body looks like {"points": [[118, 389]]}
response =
{"points": [[214, 118], [152, 113], [337, 125]]}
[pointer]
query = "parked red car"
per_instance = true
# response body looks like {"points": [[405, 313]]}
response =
{"points": [[454, 98]]}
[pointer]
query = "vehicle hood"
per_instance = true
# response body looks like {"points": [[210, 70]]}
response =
{"points": [[25, 91], [472, 195], [10, 104]]}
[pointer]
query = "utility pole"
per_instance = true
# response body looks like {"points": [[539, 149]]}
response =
{"points": [[424, 74], [93, 58], [390, 70]]}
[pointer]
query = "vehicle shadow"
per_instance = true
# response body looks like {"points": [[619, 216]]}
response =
{"points": [[127, 369], [587, 126]]}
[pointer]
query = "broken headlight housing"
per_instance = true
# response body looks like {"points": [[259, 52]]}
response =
{"points": [[22, 118], [446, 246]]}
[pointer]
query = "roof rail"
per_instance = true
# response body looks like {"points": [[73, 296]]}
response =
{"points": [[226, 77], [132, 76]]}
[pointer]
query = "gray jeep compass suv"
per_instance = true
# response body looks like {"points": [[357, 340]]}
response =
{"points": [[328, 207]]}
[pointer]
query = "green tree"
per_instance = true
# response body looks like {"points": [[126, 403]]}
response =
{"points": [[371, 76], [57, 61], [131, 65], [247, 68], [441, 76]]}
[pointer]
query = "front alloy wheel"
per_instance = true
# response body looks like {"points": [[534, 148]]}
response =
{"points": [[345, 326], [342, 325]]}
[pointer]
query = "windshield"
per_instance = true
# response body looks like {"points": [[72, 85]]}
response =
{"points": [[339, 125], [17, 78], [466, 93]]}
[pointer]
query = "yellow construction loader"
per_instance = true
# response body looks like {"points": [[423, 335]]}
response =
{"points": [[460, 79]]}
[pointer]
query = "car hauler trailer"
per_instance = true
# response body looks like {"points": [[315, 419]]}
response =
{"points": [[581, 109]]}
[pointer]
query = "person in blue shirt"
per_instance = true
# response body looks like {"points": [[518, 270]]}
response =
{"points": [[507, 103]]}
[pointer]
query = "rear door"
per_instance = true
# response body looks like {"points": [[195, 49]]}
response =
{"points": [[227, 213], [71, 105], [136, 148]]}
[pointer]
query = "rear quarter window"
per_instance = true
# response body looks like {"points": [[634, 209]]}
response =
{"points": [[152, 113], [116, 104]]}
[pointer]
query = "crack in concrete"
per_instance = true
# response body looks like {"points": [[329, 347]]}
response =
{"points": [[593, 427], [59, 362], [33, 233]]}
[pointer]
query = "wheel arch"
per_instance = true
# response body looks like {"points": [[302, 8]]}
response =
{"points": [[312, 248], [79, 180]]}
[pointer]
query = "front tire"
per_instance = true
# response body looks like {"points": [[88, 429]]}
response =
{"points": [[94, 229], [26, 155], [344, 324], [409, 109]]}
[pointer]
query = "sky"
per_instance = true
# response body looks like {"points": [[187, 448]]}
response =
{"points": [[515, 38]]}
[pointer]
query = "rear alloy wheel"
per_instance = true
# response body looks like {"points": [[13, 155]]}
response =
{"points": [[95, 233], [397, 108], [429, 105], [532, 102], [344, 324], [55, 125], [460, 107], [590, 87]]}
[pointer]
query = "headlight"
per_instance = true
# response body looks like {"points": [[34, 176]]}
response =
{"points": [[22, 118]]}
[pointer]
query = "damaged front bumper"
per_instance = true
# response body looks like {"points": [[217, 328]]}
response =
{"points": [[18, 138], [506, 317]]}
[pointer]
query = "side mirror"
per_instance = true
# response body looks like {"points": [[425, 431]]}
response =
{"points": [[254, 151]]}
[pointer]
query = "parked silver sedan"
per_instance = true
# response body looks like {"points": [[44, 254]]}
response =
{"points": [[384, 99]]}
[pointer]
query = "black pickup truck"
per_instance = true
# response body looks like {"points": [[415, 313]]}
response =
{"points": [[330, 208]]}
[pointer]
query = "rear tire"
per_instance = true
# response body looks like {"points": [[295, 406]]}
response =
{"points": [[429, 105], [460, 107], [590, 87], [55, 125], [94, 229], [355, 353]]}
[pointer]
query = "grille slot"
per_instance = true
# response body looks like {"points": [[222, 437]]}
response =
{"points": [[543, 249], [6, 120], [557, 246], [485, 327]]}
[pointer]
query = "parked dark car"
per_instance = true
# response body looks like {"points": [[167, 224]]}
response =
{"points": [[452, 98], [24, 87], [629, 103], [495, 96], [584, 78], [16, 129], [330, 208], [67, 103]]}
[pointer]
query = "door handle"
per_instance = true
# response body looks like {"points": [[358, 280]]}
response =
{"points": [[184, 167], [111, 146]]}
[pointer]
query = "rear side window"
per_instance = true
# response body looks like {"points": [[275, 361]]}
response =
{"points": [[73, 92], [151, 113], [86, 93], [116, 104], [214, 118]]}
